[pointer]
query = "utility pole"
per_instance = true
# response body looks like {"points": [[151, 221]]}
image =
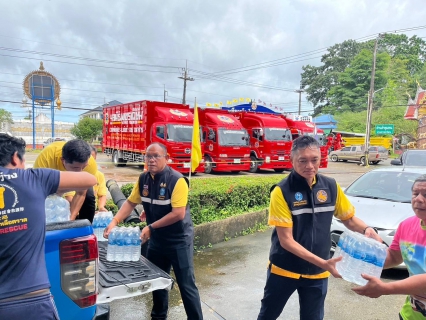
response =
{"points": [[165, 93], [300, 97], [370, 104], [185, 78]]}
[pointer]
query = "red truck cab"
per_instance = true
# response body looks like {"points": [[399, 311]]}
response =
{"points": [[130, 128], [307, 127], [270, 140], [226, 142]]}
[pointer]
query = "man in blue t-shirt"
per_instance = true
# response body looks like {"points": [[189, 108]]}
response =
{"points": [[24, 284]]}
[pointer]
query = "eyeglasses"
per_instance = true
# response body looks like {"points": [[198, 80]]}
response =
{"points": [[154, 157]]}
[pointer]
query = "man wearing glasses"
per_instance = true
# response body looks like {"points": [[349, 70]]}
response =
{"points": [[163, 193], [301, 209]]}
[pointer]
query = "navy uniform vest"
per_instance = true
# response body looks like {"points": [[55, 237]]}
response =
{"points": [[156, 193], [312, 212]]}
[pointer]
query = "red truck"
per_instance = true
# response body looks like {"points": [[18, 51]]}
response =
{"points": [[299, 127], [270, 140], [131, 127], [226, 142]]}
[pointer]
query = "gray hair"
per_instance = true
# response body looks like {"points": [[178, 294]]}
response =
{"points": [[302, 143], [421, 178]]}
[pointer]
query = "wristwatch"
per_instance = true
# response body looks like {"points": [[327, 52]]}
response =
{"points": [[151, 229], [375, 229]]}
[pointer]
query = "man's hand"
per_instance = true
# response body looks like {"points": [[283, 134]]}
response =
{"points": [[142, 217], [370, 233], [108, 229], [102, 209], [145, 234], [373, 289], [330, 266]]}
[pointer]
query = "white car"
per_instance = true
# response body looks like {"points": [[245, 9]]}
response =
{"points": [[382, 199]]}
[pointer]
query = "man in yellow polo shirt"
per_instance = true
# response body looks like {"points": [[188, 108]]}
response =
{"points": [[73, 155], [301, 209], [163, 193], [99, 189]]}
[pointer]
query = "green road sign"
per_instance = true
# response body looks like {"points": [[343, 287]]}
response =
{"points": [[384, 128]]}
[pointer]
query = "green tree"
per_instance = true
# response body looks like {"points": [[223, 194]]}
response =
{"points": [[5, 118], [87, 129], [351, 93]]}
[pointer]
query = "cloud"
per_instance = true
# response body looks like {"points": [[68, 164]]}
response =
{"points": [[161, 37]]}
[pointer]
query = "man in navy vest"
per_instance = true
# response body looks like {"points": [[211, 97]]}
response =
{"points": [[301, 209], [163, 193]]}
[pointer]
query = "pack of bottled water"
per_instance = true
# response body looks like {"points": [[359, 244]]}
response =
{"points": [[57, 209], [100, 221], [360, 255], [124, 244]]}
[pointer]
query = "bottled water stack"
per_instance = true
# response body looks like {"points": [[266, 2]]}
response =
{"points": [[124, 244], [100, 222], [359, 255], [57, 209]]}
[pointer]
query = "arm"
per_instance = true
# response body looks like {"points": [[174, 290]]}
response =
{"points": [[414, 285], [285, 236], [122, 214], [393, 259], [357, 225], [76, 203], [101, 203]]}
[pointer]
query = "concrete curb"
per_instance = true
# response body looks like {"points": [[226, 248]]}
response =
{"points": [[217, 231]]}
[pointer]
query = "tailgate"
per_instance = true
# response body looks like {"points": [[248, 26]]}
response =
{"points": [[125, 279]]}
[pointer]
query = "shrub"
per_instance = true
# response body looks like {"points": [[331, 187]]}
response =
{"points": [[127, 189], [214, 199], [111, 206]]}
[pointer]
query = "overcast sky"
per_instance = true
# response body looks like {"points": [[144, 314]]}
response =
{"points": [[144, 45]]}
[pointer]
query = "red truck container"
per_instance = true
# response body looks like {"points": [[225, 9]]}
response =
{"points": [[308, 128], [226, 142], [130, 128], [270, 140]]}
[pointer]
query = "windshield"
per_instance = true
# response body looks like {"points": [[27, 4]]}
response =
{"points": [[387, 185], [415, 159], [179, 133], [277, 134], [319, 137], [233, 137]]}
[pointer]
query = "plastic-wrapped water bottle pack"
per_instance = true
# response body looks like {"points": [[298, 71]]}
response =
{"points": [[100, 221], [57, 209], [360, 255], [124, 244]]}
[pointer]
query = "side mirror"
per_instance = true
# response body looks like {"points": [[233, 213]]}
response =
{"points": [[396, 162]]}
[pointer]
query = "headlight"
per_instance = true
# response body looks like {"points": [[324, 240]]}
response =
{"points": [[268, 159], [170, 161], [246, 156], [223, 155]]}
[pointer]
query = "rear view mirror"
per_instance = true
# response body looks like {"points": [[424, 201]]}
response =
{"points": [[396, 162]]}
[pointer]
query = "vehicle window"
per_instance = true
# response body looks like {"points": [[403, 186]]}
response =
{"points": [[353, 149], [346, 149], [415, 159], [383, 149], [179, 132], [372, 149], [160, 132], [387, 185]]}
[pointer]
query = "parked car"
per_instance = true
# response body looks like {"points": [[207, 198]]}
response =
{"points": [[50, 140], [382, 199], [356, 153], [412, 158]]}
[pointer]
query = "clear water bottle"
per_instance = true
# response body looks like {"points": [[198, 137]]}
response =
{"points": [[381, 253], [370, 258], [112, 245], [136, 244], [120, 244], [359, 260], [341, 266], [95, 226], [127, 250], [103, 223], [337, 251]]}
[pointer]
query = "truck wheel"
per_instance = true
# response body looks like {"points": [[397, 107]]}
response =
{"points": [[334, 158], [254, 165], [208, 164], [362, 160], [375, 162], [118, 162], [279, 170]]}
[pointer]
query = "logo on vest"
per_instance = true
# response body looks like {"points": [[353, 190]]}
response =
{"points": [[299, 200], [163, 185], [145, 190], [322, 196], [162, 194]]}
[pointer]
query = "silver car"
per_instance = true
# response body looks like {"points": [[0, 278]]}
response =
{"points": [[382, 199]]}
